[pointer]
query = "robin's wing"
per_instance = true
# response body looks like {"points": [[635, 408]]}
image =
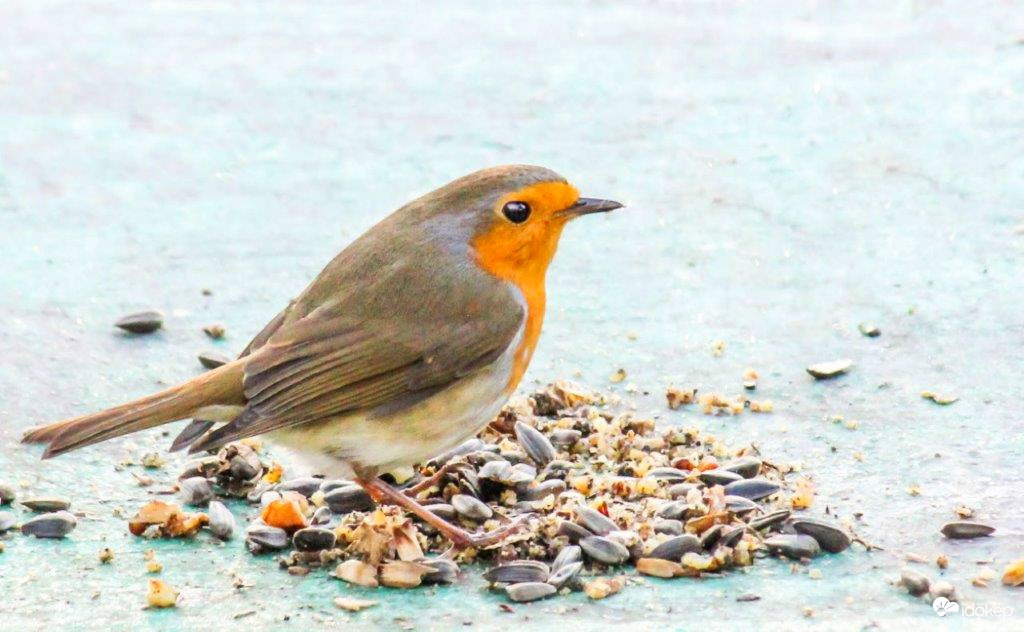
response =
{"points": [[386, 350], [269, 330]]}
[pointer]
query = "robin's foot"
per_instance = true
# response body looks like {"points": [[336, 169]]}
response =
{"points": [[460, 538], [434, 478]]}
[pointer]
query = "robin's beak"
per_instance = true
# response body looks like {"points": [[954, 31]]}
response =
{"points": [[586, 206]]}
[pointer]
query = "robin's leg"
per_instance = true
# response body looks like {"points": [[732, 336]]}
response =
{"points": [[459, 537]]}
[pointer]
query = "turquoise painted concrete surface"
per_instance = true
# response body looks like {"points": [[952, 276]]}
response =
{"points": [[791, 169]]}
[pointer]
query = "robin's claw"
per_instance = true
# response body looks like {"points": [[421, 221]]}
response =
{"points": [[466, 540]]}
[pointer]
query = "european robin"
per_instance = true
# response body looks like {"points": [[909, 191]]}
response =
{"points": [[408, 343]]}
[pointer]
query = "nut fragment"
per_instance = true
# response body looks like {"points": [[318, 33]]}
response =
{"points": [[657, 567], [1013, 574], [828, 370], [680, 397], [603, 587], [400, 574], [167, 521], [941, 400], [352, 604], [357, 572], [161, 594], [284, 514]]}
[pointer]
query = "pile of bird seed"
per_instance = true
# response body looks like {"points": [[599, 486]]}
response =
{"points": [[609, 495]]}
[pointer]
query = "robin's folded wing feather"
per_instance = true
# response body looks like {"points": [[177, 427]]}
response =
{"points": [[267, 331], [330, 363]]}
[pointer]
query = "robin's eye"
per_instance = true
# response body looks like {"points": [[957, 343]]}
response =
{"points": [[516, 212]]}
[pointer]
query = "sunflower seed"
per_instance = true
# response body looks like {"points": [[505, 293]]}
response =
{"points": [[195, 491], [305, 486], [630, 540], [529, 591], [46, 504], [213, 359], [536, 445], [566, 437], [595, 521], [752, 488], [50, 525], [321, 517], [256, 493], [313, 539], [7, 521], [680, 490], [567, 555], [222, 521], [667, 474], [719, 476], [331, 484], [343, 500], [573, 531], [268, 497], [495, 470], [443, 511], [245, 466], [554, 487], [261, 537], [565, 574], [556, 469], [526, 472], [668, 527], [747, 466], [672, 510], [604, 550], [869, 330], [7, 494], [963, 529], [793, 546], [472, 445], [710, 537], [769, 519], [469, 483], [829, 537], [470, 507], [141, 322], [740, 505], [519, 571], [445, 571], [827, 370], [674, 548], [731, 536]]}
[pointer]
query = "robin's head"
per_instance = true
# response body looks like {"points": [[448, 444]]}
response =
{"points": [[514, 215]]}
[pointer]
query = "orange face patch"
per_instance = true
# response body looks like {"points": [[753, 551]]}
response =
{"points": [[520, 254], [517, 252]]}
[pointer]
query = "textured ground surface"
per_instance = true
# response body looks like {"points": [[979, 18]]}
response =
{"points": [[791, 169]]}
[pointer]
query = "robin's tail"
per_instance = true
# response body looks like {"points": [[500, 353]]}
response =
{"points": [[217, 388]]}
